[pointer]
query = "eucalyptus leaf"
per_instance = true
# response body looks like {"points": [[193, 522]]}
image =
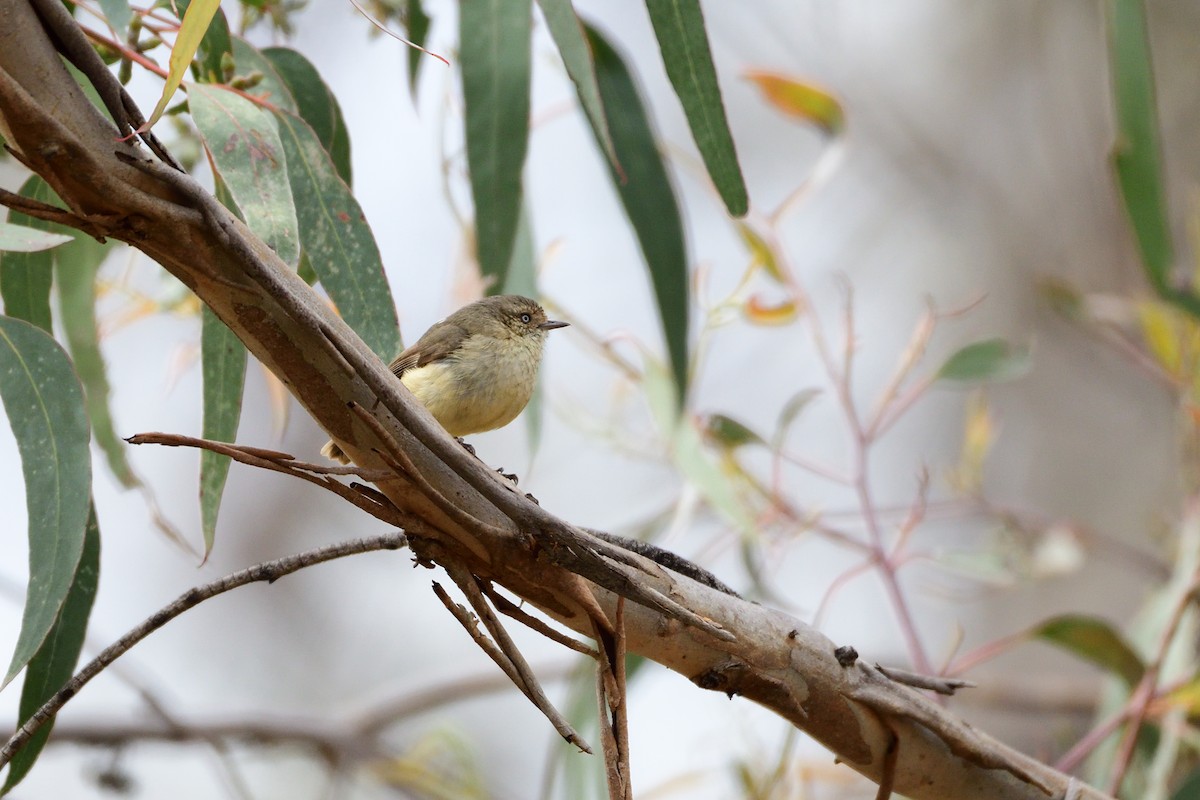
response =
{"points": [[649, 201], [989, 360], [495, 42], [44, 402]]}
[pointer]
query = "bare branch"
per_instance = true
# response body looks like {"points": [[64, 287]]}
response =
{"points": [[269, 571]]}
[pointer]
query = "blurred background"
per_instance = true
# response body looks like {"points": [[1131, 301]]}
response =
{"points": [[972, 176]]}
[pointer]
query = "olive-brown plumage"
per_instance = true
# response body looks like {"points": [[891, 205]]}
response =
{"points": [[476, 369]]}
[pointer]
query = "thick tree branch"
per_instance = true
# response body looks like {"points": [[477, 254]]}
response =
{"points": [[886, 731]]}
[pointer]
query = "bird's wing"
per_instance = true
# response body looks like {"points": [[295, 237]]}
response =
{"points": [[439, 341]]}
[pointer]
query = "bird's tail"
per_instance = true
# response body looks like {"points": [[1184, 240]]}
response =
{"points": [[334, 453]]}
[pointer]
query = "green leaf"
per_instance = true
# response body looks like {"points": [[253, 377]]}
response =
{"points": [[687, 450], [25, 278], [76, 267], [1136, 153], [791, 410], [989, 360], [649, 201], [1189, 788], [192, 28], [214, 47], [55, 661], [338, 241], [118, 15], [418, 31], [1094, 640], [315, 103], [571, 41], [243, 142], [683, 42], [21, 239], [494, 42], [728, 433], [271, 87], [44, 401], [223, 365]]}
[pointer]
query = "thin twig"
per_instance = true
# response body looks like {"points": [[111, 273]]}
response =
{"points": [[494, 652], [934, 683], [508, 608], [269, 571]]}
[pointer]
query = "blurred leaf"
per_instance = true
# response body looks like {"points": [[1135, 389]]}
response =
{"points": [[271, 87], [338, 241], [791, 410], [191, 31], [223, 365], [801, 100], [243, 143], [683, 42], [316, 104], [215, 47], [25, 278], [1160, 330], [418, 30], [649, 202], [44, 401], [118, 15], [439, 765], [989, 360], [782, 313], [568, 34], [687, 451], [1094, 640], [1136, 153], [1063, 298], [76, 267], [979, 434], [1189, 788], [494, 43], [761, 253], [55, 661], [20, 239], [728, 433]]}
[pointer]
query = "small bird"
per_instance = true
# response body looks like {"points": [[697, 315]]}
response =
{"points": [[476, 369]]}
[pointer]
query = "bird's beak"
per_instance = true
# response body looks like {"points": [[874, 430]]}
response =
{"points": [[551, 324]]}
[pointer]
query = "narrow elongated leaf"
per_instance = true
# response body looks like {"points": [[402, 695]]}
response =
{"points": [[418, 30], [683, 42], [215, 47], [649, 201], [223, 372], [989, 360], [75, 268], [44, 402], [337, 239], [55, 661], [801, 100], [223, 365], [21, 239], [494, 42], [191, 31], [1136, 154], [1095, 640], [315, 103], [571, 41], [244, 145], [25, 278]]}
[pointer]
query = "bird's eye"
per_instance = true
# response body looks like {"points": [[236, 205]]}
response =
{"points": [[526, 318]]}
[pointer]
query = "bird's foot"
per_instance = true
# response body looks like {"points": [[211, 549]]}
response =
{"points": [[509, 475], [469, 448]]}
